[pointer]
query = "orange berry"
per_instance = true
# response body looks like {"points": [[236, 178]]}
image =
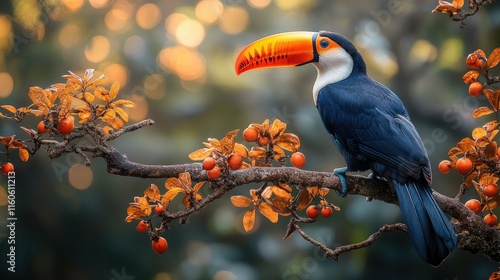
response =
{"points": [[66, 125], [475, 89], [7, 168], [474, 205], [445, 166], [312, 212], [298, 159], [491, 190], [464, 165], [142, 226], [491, 219], [251, 134], [214, 173], [235, 161], [208, 163], [263, 140], [159, 209], [42, 128], [160, 245], [326, 212]]}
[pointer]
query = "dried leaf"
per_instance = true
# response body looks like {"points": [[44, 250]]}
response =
{"points": [[257, 153], [134, 212], [241, 201], [113, 91], [280, 205], [278, 153], [493, 97], [470, 77], [152, 192], [455, 152], [468, 181], [490, 126], [9, 108], [493, 59], [171, 183], [201, 154], [64, 105], [305, 198], [482, 111], [249, 220], [89, 74], [268, 212], [323, 191], [89, 97], [24, 155], [40, 99], [290, 229], [215, 143], [170, 195], [277, 128], [492, 203], [493, 134], [121, 113], [98, 81], [241, 149], [283, 191], [198, 186], [107, 130], [228, 142], [288, 141], [144, 205], [447, 7], [102, 94], [185, 179], [124, 103], [478, 132], [466, 144]]}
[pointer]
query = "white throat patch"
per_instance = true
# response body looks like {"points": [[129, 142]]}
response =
{"points": [[333, 66]]}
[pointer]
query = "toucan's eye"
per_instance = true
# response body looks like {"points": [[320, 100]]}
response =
{"points": [[324, 44]]}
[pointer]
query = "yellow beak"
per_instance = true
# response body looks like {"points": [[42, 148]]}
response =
{"points": [[284, 49]]}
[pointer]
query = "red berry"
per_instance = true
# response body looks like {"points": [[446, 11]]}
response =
{"points": [[7, 168], [444, 166], [160, 245], [235, 161], [214, 173], [491, 219], [251, 134], [464, 165], [66, 125], [491, 190], [263, 140], [312, 212], [326, 212], [475, 89], [42, 128], [208, 163], [474, 205], [159, 209], [298, 159], [142, 226]]}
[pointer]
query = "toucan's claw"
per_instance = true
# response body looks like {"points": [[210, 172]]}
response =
{"points": [[340, 173]]}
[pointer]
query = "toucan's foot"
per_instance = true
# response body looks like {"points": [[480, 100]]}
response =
{"points": [[340, 172]]}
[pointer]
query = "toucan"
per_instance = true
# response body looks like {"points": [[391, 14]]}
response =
{"points": [[369, 125]]}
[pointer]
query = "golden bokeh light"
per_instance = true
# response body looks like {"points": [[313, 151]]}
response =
{"points": [[259, 4], [7, 84], [140, 111], [80, 176], [97, 49], [69, 36], [173, 21], [98, 4], [209, 11], [73, 5], [27, 13], [5, 26], [234, 20], [118, 17], [190, 33], [185, 62], [117, 72], [155, 86], [148, 16]]}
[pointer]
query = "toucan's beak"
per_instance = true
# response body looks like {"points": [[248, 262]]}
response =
{"points": [[284, 49]]}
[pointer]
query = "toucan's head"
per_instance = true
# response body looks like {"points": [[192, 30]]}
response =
{"points": [[333, 55]]}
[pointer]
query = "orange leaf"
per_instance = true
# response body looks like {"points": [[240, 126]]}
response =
{"points": [[241, 149], [89, 74], [144, 205], [492, 203], [124, 103], [170, 195], [278, 153], [113, 91], [152, 192], [201, 154], [9, 108], [198, 186], [493, 97], [482, 111], [305, 198], [171, 183], [185, 179], [478, 132], [446, 7], [288, 141], [283, 191], [228, 142], [89, 97], [241, 201], [249, 220], [134, 212], [24, 155], [268, 212], [64, 105], [257, 153], [277, 128], [468, 181], [102, 94], [493, 59], [40, 99], [323, 191], [99, 80], [470, 76], [466, 145]]}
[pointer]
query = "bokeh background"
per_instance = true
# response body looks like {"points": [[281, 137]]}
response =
{"points": [[174, 59]]}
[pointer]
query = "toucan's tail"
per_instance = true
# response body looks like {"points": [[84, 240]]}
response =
{"points": [[430, 230]]}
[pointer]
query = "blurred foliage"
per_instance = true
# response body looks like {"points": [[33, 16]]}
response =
{"points": [[174, 60]]}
